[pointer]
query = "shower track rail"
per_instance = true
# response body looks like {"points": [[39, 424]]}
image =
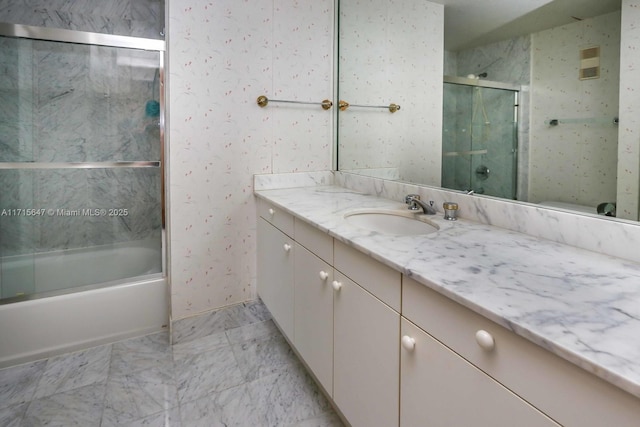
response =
{"points": [[80, 37], [78, 165]]}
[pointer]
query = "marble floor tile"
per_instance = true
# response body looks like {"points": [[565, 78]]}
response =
{"points": [[238, 372], [11, 416], [142, 353], [255, 330], [78, 407], [231, 407], [207, 373], [248, 313], [135, 395], [18, 384], [263, 356], [200, 345], [201, 326], [287, 397], [70, 371], [166, 418], [328, 419], [219, 321]]}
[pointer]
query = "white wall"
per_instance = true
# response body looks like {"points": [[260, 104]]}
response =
{"points": [[222, 56]]}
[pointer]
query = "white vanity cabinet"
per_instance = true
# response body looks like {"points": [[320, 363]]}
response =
{"points": [[340, 310], [346, 335], [441, 389], [275, 265], [313, 302], [562, 391], [394, 352], [366, 334]]}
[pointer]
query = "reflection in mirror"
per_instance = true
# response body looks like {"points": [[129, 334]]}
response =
{"points": [[379, 65], [569, 150], [479, 137], [558, 148]]}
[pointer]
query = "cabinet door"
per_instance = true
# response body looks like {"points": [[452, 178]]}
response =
{"points": [[438, 388], [313, 314], [275, 274], [366, 356]]}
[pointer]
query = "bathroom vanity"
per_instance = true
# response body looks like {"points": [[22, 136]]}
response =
{"points": [[469, 325]]}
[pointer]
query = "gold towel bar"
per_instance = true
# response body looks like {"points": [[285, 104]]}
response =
{"points": [[343, 105], [263, 101]]}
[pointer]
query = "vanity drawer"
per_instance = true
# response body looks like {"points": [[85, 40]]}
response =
{"points": [[568, 394], [321, 244], [382, 281], [276, 216]]}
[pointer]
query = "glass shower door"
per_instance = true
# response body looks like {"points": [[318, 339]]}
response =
{"points": [[17, 229], [480, 140], [80, 164]]}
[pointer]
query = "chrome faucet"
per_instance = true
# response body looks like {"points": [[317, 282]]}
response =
{"points": [[414, 202]]}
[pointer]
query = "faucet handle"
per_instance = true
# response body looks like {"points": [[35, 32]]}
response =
{"points": [[409, 198]]}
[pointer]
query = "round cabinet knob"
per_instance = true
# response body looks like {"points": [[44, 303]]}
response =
{"points": [[336, 285], [408, 343], [485, 340], [271, 211], [287, 247], [324, 275]]}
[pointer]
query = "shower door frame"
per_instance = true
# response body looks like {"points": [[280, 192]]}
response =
{"points": [[87, 38], [488, 84]]}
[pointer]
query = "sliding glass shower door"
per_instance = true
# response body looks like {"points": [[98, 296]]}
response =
{"points": [[80, 161], [480, 130]]}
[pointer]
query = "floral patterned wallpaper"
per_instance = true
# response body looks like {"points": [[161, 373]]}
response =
{"points": [[628, 195], [378, 66], [574, 161], [222, 56]]}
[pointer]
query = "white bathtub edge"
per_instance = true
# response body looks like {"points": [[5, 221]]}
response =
{"points": [[46, 327]]}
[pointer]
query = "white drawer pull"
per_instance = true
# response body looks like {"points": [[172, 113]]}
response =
{"points": [[271, 211], [485, 340], [324, 275], [287, 247], [336, 285], [408, 343]]}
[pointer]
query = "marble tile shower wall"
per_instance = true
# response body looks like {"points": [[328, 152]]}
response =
{"points": [[74, 103], [137, 190], [505, 61], [138, 18]]}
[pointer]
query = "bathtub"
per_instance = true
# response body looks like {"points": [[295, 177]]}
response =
{"points": [[60, 321], [47, 272]]}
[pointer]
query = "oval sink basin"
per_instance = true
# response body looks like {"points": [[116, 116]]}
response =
{"points": [[391, 222]]}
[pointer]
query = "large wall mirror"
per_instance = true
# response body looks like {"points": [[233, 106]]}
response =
{"points": [[523, 100]]}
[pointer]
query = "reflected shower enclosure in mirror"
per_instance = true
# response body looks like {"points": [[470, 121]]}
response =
{"points": [[561, 147], [479, 137]]}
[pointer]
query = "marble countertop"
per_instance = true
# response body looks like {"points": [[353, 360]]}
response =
{"points": [[581, 305]]}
